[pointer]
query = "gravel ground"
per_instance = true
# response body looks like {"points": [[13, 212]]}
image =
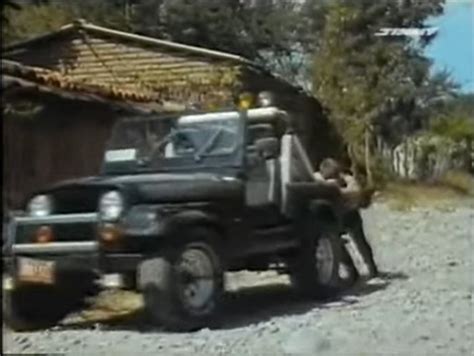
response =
{"points": [[422, 304]]}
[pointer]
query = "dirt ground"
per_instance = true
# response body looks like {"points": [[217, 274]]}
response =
{"points": [[421, 305]]}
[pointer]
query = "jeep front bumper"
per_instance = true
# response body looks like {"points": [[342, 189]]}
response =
{"points": [[55, 248], [65, 256]]}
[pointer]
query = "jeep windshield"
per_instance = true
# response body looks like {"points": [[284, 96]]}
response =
{"points": [[186, 142]]}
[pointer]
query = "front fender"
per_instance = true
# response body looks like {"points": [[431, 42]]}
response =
{"points": [[182, 219], [149, 220], [172, 229]]}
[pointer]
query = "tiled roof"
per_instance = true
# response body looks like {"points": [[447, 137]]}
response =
{"points": [[11, 69], [83, 25]]}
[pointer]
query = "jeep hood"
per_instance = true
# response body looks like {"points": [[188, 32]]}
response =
{"points": [[81, 195]]}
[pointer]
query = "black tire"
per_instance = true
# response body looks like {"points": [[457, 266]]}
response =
{"points": [[130, 281], [33, 307], [315, 270], [166, 282]]}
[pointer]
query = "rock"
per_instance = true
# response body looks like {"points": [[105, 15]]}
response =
{"points": [[305, 342], [274, 329], [25, 345], [21, 340]]}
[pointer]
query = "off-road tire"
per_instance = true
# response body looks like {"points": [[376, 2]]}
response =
{"points": [[315, 279], [28, 308], [159, 280]]}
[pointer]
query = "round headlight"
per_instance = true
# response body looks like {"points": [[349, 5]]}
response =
{"points": [[41, 205], [111, 206]]}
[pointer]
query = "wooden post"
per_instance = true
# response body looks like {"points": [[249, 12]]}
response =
{"points": [[469, 155]]}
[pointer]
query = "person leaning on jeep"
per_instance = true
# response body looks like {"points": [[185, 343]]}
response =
{"points": [[330, 172]]}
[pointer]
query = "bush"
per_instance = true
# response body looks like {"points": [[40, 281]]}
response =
{"points": [[455, 126], [453, 185], [459, 181]]}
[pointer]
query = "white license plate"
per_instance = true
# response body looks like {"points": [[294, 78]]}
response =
{"points": [[36, 271]]}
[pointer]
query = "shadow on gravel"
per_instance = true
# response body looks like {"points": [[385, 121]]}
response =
{"points": [[393, 276], [251, 305], [364, 287], [260, 304]]}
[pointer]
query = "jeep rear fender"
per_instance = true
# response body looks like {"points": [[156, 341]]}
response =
{"points": [[324, 213]]}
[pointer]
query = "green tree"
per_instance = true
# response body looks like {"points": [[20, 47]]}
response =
{"points": [[264, 31], [370, 83], [271, 33], [7, 7], [32, 20], [36, 17], [110, 13], [455, 119]]}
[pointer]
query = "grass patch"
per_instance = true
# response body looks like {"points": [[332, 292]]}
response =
{"points": [[108, 306], [404, 195]]}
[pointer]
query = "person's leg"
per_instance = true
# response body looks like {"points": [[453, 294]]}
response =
{"points": [[355, 229], [348, 263]]}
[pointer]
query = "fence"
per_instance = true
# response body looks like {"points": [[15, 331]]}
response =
{"points": [[427, 158]]}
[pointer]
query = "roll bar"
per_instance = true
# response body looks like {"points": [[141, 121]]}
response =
{"points": [[259, 115]]}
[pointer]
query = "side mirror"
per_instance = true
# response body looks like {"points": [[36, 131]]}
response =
{"points": [[268, 148]]}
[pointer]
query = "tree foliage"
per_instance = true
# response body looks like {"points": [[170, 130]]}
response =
{"points": [[8, 6], [32, 20], [373, 85], [271, 33], [267, 32], [455, 119], [36, 17]]}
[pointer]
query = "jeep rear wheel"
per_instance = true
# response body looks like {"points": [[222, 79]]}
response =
{"points": [[315, 270], [182, 288]]}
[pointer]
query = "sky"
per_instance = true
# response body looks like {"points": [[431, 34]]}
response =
{"points": [[453, 48]]}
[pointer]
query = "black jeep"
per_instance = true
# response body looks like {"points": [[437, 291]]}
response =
{"points": [[180, 201]]}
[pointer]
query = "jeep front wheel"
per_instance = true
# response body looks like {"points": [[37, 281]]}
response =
{"points": [[182, 288], [27, 308]]}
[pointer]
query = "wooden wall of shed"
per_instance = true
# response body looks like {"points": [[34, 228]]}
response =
{"points": [[65, 140], [131, 65]]}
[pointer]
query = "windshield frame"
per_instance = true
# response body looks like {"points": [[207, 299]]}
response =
{"points": [[225, 161]]}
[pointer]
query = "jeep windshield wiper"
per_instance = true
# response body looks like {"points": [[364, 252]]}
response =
{"points": [[208, 145]]}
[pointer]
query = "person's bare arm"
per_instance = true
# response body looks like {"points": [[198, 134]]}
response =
{"points": [[329, 182], [351, 192], [351, 185]]}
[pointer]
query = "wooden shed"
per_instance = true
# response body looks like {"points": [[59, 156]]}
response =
{"points": [[62, 91]]}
